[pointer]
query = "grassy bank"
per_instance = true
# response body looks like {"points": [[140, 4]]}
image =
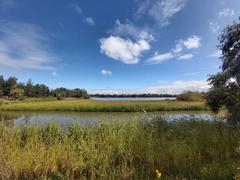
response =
{"points": [[97, 106], [130, 150]]}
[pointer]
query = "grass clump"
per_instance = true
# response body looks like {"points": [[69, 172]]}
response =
{"points": [[127, 150]]}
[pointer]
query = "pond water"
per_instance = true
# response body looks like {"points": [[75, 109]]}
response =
{"points": [[89, 119], [134, 99]]}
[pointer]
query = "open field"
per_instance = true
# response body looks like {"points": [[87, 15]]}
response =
{"points": [[130, 150], [98, 106]]}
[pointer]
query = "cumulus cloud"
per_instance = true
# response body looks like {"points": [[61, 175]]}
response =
{"points": [[178, 87], [124, 50], [214, 26], [106, 72], [160, 10], [23, 45], [186, 57], [226, 13], [159, 58], [192, 42], [90, 21]]}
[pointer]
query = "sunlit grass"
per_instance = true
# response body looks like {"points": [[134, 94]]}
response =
{"points": [[98, 106], [127, 150]]}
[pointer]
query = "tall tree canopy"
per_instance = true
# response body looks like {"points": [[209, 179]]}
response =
{"points": [[225, 91]]}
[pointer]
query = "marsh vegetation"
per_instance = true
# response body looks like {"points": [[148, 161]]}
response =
{"points": [[192, 149]]}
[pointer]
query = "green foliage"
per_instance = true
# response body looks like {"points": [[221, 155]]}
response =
{"points": [[191, 96], [124, 150], [225, 91], [38, 90]]}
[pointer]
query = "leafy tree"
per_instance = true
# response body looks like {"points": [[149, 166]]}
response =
{"points": [[2, 86], [29, 88], [40, 90], [17, 93], [225, 91], [10, 84]]}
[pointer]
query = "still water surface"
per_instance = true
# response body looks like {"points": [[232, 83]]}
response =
{"points": [[134, 99], [90, 118]]}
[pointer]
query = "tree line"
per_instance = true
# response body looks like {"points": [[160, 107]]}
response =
{"points": [[11, 88]]}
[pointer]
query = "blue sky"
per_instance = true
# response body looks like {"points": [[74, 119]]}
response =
{"points": [[127, 46]]}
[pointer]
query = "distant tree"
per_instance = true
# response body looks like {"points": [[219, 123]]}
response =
{"points": [[11, 88], [79, 93], [10, 83], [29, 88], [2, 86], [40, 90], [225, 91], [17, 93]]}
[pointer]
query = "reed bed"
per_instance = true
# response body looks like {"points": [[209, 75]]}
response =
{"points": [[123, 150], [97, 106]]}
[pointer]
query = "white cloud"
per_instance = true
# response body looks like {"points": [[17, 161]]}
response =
{"points": [[159, 58], [193, 42], [90, 21], [106, 72], [179, 87], [214, 26], [179, 47], [124, 50], [160, 10], [186, 57], [226, 13], [76, 8], [24, 45], [129, 29]]}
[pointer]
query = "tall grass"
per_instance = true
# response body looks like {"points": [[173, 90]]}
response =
{"points": [[127, 150], [97, 106]]}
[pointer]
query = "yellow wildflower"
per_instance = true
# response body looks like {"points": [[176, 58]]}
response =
{"points": [[159, 174]]}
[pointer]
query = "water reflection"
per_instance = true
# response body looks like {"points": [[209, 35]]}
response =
{"points": [[88, 119]]}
